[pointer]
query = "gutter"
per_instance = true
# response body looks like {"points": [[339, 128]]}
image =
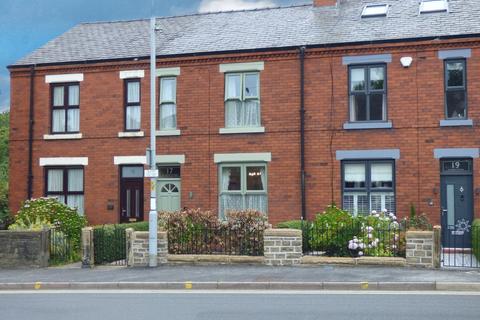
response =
{"points": [[31, 123], [302, 132]]}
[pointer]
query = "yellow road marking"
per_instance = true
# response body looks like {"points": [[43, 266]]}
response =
{"points": [[188, 285]]}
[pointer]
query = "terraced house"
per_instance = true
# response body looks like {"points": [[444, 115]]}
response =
{"points": [[369, 104]]}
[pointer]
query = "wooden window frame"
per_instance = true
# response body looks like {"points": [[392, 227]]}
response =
{"points": [[132, 104], [243, 98], [65, 106], [448, 89], [162, 102], [65, 193]]}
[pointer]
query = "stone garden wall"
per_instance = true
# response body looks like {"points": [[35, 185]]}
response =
{"points": [[24, 249]]}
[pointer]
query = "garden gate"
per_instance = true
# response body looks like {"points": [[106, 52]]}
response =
{"points": [[109, 245]]}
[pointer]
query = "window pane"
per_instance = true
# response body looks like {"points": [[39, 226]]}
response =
{"points": [[377, 80], [358, 103], [251, 85], [169, 172], [73, 120], [58, 96], [73, 95], [455, 74], [231, 179], [256, 178], [382, 201], [168, 116], [354, 175], [355, 203], [382, 175], [132, 172], [233, 86], [376, 106], [58, 121], [168, 89], [60, 198], [456, 104], [55, 180], [76, 201], [357, 79], [233, 113], [75, 180], [256, 202], [251, 113], [230, 202], [133, 118], [133, 92]]}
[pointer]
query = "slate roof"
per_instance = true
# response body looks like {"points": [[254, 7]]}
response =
{"points": [[257, 29]]}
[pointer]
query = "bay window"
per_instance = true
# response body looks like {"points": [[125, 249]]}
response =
{"points": [[242, 187], [66, 185], [132, 105], [242, 100], [65, 108], [367, 186], [368, 94], [168, 103]]}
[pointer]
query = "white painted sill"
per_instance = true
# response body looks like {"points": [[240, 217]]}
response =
{"points": [[132, 134], [73, 136], [167, 133], [456, 123], [242, 130], [367, 125]]}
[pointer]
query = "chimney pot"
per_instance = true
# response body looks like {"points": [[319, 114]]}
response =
{"points": [[324, 3]]}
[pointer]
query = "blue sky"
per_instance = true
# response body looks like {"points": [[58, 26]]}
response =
{"points": [[28, 24]]}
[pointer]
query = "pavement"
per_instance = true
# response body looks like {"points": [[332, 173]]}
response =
{"points": [[334, 277]]}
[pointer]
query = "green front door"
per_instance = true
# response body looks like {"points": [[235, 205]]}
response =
{"points": [[168, 195]]}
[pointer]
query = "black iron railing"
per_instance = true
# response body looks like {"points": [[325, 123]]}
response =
{"points": [[215, 239], [109, 245], [62, 248], [353, 239], [461, 246]]}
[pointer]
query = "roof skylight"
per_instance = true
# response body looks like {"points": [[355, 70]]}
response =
{"points": [[427, 6], [375, 10]]}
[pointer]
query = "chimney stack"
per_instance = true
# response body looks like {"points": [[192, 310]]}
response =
{"points": [[324, 3]]}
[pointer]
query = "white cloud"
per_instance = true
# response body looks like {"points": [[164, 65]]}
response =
{"points": [[228, 5], [4, 92]]}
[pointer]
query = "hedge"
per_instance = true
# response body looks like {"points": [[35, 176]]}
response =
{"points": [[292, 224], [476, 238]]}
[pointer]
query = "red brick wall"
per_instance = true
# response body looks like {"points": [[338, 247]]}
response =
{"points": [[415, 106]]}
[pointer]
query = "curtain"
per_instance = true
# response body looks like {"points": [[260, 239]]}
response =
{"points": [[256, 202], [225, 178], [133, 118], [73, 95], [168, 90], [251, 116], [73, 120], [381, 172], [58, 121], [58, 96], [133, 92], [230, 202], [168, 116], [75, 180], [233, 113], [76, 202], [355, 172], [55, 180]]}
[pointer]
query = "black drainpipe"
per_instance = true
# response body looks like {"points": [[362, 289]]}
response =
{"points": [[302, 131], [31, 122]]}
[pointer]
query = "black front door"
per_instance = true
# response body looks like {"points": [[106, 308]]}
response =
{"points": [[131, 194], [457, 203]]}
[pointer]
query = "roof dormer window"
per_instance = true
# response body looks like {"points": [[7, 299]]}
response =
{"points": [[375, 10], [428, 6]]}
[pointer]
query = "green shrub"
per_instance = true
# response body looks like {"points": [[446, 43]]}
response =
{"points": [[292, 224], [136, 226], [476, 238], [52, 213]]}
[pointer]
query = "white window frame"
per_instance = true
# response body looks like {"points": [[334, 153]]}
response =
{"points": [[164, 102], [243, 98], [243, 183], [424, 6], [366, 14]]}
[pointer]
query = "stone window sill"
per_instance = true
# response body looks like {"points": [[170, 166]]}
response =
{"points": [[456, 123], [242, 130], [68, 136], [132, 134], [167, 133], [367, 125]]}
